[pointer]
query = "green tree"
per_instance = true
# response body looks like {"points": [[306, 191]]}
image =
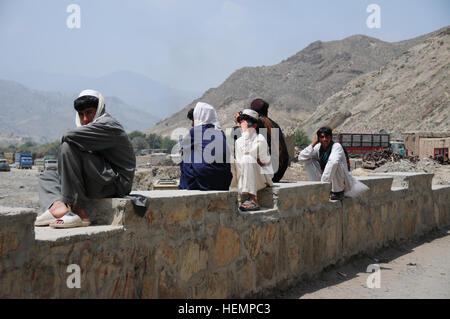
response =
{"points": [[134, 134], [47, 148], [27, 146], [12, 148], [301, 139], [154, 141], [139, 143], [50, 148], [168, 144]]}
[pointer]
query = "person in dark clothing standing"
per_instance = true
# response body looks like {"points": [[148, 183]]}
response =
{"points": [[282, 156], [95, 160]]}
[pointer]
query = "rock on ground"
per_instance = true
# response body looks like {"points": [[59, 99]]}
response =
{"points": [[425, 165]]}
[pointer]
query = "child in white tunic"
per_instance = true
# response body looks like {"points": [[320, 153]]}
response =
{"points": [[252, 169]]}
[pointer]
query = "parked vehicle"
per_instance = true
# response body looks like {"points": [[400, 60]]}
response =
{"points": [[9, 157], [358, 143], [441, 155], [399, 148], [4, 165], [39, 163], [50, 164], [49, 156], [24, 160]]}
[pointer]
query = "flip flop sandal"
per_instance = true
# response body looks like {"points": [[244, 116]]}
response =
{"points": [[245, 203], [249, 205], [45, 219], [70, 220]]}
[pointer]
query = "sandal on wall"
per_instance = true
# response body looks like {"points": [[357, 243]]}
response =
{"points": [[69, 220], [44, 219], [249, 205]]}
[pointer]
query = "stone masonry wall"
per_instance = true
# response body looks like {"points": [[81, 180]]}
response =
{"points": [[192, 244]]}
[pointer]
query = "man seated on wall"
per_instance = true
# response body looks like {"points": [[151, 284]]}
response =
{"points": [[204, 164], [325, 160], [252, 169], [95, 160]]}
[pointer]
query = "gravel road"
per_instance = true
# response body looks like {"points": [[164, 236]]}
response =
{"points": [[19, 188], [415, 269]]}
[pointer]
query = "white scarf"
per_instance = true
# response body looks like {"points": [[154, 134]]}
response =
{"points": [[205, 114], [100, 108]]}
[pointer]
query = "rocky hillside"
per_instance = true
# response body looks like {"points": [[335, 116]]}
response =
{"points": [[297, 85], [410, 92], [44, 116]]}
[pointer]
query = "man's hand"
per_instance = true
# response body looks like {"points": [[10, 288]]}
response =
{"points": [[260, 163], [316, 140], [235, 118]]}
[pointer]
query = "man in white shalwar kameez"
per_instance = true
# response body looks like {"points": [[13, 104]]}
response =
{"points": [[252, 169], [325, 161]]}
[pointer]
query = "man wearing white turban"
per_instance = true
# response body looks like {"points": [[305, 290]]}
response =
{"points": [[95, 160]]}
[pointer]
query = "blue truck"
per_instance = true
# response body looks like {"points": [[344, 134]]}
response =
{"points": [[23, 160]]}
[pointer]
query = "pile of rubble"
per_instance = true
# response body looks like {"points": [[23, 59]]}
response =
{"points": [[400, 166], [376, 159], [426, 165], [144, 178]]}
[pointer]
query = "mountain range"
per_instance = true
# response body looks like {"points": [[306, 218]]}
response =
{"points": [[133, 88], [298, 85], [411, 92], [356, 84], [43, 116]]}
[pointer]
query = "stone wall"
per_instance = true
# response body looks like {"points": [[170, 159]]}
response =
{"points": [[192, 244]]}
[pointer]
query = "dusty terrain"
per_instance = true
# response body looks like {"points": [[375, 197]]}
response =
{"points": [[418, 268], [19, 188]]}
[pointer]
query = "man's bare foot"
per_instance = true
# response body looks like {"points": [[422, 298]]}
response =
{"points": [[58, 209], [254, 198], [81, 212]]}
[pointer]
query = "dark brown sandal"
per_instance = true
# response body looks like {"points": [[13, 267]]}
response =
{"points": [[249, 205]]}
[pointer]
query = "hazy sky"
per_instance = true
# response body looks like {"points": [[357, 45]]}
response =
{"points": [[192, 44]]}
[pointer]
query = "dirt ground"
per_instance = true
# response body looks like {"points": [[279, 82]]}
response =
{"points": [[19, 188], [418, 268]]}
